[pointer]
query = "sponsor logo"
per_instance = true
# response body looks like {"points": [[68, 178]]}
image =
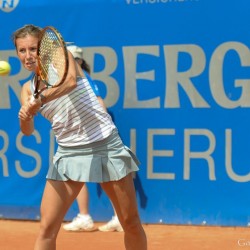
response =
{"points": [[8, 5]]}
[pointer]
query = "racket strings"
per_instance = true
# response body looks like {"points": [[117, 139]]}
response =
{"points": [[52, 60]]}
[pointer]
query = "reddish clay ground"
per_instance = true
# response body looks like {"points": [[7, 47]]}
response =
{"points": [[20, 235]]}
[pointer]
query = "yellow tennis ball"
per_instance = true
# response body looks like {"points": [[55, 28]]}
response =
{"points": [[4, 68]]}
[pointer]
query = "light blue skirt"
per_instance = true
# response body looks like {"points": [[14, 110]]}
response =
{"points": [[103, 161]]}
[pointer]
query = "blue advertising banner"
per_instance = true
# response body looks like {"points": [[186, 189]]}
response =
{"points": [[176, 76]]}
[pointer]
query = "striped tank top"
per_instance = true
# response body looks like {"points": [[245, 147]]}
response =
{"points": [[78, 118]]}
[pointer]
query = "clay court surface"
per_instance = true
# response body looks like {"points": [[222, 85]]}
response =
{"points": [[20, 235]]}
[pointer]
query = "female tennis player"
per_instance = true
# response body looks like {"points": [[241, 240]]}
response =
{"points": [[89, 148]]}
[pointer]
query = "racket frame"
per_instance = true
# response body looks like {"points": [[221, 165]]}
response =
{"points": [[38, 76]]}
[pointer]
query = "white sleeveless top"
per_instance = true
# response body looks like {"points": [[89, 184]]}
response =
{"points": [[78, 118]]}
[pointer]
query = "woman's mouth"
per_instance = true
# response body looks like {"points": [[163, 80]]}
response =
{"points": [[30, 65]]}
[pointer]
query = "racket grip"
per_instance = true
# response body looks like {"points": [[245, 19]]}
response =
{"points": [[32, 99]]}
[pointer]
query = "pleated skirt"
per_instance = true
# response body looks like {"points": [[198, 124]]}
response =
{"points": [[102, 161]]}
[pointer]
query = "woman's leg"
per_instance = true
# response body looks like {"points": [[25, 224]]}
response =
{"points": [[57, 198], [123, 197], [112, 225], [83, 200], [83, 220]]}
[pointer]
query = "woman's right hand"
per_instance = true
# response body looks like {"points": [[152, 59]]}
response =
{"points": [[33, 105]]}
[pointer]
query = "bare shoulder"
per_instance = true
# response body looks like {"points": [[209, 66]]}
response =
{"points": [[26, 88]]}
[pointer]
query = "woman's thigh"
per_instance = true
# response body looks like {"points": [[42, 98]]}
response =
{"points": [[122, 195], [57, 198]]}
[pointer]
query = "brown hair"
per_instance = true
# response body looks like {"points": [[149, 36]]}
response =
{"points": [[85, 66], [26, 30]]}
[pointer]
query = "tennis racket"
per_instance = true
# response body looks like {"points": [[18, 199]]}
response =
{"points": [[52, 61]]}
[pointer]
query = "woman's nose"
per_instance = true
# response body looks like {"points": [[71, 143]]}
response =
{"points": [[28, 54]]}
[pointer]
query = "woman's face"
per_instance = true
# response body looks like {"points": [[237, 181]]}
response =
{"points": [[27, 51]]}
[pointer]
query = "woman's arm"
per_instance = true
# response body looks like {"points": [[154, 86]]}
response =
{"points": [[25, 116], [68, 85], [29, 109]]}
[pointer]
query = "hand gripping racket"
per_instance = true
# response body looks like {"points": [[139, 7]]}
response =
{"points": [[52, 61]]}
